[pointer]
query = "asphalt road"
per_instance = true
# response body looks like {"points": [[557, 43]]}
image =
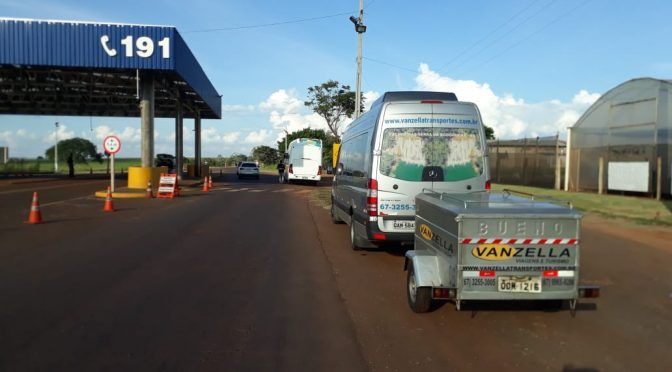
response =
{"points": [[253, 276]]}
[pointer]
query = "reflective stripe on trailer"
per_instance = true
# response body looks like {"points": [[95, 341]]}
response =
{"points": [[544, 241]]}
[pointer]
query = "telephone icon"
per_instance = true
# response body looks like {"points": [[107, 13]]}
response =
{"points": [[104, 40]]}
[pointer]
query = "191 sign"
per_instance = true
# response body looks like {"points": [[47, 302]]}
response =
{"points": [[144, 46]]}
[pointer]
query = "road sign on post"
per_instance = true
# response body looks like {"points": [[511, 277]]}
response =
{"points": [[112, 145]]}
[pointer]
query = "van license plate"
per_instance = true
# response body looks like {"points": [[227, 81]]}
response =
{"points": [[404, 225], [519, 284]]}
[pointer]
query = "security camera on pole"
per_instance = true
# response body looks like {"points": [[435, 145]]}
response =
{"points": [[360, 29], [112, 145]]}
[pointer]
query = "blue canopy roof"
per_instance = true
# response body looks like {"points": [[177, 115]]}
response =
{"points": [[84, 68]]}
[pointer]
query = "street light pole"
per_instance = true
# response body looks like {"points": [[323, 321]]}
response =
{"points": [[360, 29], [56, 147], [286, 135]]}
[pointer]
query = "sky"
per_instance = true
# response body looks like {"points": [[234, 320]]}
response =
{"points": [[532, 66]]}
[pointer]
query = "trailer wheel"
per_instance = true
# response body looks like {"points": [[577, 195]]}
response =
{"points": [[354, 242], [419, 298]]}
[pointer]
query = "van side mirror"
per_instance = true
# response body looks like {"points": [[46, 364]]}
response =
{"points": [[339, 169]]}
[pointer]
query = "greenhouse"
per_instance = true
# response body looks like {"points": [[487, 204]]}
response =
{"points": [[622, 142]]}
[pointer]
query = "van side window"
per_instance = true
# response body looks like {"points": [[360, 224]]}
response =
{"points": [[353, 156]]}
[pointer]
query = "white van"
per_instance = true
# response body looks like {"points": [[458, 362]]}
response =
{"points": [[303, 161], [406, 142]]}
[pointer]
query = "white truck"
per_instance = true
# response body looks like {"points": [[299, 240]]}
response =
{"points": [[303, 161]]}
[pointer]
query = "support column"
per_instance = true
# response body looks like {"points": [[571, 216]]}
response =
{"points": [[568, 158], [147, 120], [179, 137], [197, 144]]}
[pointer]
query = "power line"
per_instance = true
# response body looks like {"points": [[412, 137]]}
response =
{"points": [[533, 34], [462, 53], [503, 51], [269, 24], [505, 34], [390, 64], [279, 23]]}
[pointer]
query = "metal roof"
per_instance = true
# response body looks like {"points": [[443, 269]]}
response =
{"points": [[89, 68]]}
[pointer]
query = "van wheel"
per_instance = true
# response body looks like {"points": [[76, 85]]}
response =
{"points": [[334, 216], [419, 298], [354, 241]]}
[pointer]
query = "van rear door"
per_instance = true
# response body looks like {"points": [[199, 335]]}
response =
{"points": [[459, 149], [404, 144]]}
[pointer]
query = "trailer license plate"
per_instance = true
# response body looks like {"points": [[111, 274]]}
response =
{"points": [[404, 225], [524, 284]]}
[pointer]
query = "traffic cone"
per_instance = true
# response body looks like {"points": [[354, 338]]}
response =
{"points": [[108, 207], [35, 215], [210, 181], [149, 190], [206, 186]]}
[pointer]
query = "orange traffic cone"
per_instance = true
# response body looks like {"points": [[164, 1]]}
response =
{"points": [[35, 215], [210, 181], [206, 186], [108, 207], [149, 190]]}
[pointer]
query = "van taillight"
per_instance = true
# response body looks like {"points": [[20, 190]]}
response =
{"points": [[431, 101], [291, 169], [372, 197], [488, 186], [319, 170]]}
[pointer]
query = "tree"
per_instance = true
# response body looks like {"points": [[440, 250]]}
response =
{"points": [[328, 141], [489, 132], [265, 154], [237, 158], [82, 150], [333, 102]]}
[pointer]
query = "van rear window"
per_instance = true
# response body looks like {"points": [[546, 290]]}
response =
{"points": [[408, 152]]}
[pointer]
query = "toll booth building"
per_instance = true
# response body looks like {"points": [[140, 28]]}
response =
{"points": [[106, 69]]}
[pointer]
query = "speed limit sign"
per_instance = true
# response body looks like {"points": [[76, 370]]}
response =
{"points": [[112, 144]]}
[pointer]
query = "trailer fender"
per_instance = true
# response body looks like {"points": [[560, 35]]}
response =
{"points": [[426, 269]]}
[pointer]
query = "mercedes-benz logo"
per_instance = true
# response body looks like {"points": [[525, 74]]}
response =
{"points": [[432, 173]]}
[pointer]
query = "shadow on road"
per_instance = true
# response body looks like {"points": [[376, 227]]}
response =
{"points": [[572, 368], [518, 306]]}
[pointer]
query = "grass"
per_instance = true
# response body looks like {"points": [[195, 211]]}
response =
{"points": [[31, 166], [640, 210], [321, 196]]}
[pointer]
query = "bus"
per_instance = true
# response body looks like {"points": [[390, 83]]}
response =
{"points": [[303, 161]]}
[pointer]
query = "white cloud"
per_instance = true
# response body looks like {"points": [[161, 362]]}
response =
{"points": [[283, 101], [257, 137], [210, 135], [62, 133], [231, 137], [234, 108], [585, 98], [510, 117], [369, 98]]}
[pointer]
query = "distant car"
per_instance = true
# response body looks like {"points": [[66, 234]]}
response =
{"points": [[165, 160], [247, 169]]}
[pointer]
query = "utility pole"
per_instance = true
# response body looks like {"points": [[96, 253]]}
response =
{"points": [[56, 147], [360, 29]]}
